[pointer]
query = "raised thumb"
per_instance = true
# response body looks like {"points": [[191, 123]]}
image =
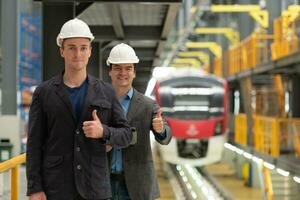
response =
{"points": [[158, 114], [94, 114]]}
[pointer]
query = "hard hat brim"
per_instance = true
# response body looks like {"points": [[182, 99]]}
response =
{"points": [[108, 62], [59, 39]]}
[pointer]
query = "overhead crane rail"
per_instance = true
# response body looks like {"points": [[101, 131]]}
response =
{"points": [[255, 11], [214, 47], [202, 56], [232, 35]]}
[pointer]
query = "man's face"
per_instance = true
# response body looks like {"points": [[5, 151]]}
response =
{"points": [[76, 52], [122, 75]]}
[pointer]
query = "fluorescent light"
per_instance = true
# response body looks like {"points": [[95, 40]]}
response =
{"points": [[247, 155], [188, 185], [239, 151], [204, 190], [282, 172], [194, 195], [297, 179], [229, 146], [178, 167], [257, 160], [269, 166]]}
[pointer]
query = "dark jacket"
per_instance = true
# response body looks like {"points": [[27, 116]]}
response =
{"points": [[138, 163], [59, 156]]}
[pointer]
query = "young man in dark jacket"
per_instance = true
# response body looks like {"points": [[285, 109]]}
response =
{"points": [[72, 117]]}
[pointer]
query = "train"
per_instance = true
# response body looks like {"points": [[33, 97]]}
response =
{"points": [[194, 104]]}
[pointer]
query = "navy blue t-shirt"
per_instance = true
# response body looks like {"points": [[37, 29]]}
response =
{"points": [[77, 95]]}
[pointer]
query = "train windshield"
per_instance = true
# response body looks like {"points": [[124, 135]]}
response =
{"points": [[192, 98]]}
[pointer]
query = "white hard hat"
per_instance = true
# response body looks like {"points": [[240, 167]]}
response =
{"points": [[122, 53], [74, 28]]}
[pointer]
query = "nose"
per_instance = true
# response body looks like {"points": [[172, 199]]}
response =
{"points": [[77, 52], [122, 71]]}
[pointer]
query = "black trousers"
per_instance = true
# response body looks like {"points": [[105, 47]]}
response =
{"points": [[78, 197]]}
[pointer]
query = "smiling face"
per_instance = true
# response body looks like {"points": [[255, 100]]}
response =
{"points": [[76, 52], [122, 75]]}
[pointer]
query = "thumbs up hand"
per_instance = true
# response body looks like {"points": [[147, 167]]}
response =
{"points": [[94, 128], [157, 123]]}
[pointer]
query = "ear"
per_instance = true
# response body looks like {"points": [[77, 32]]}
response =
{"points": [[61, 52], [90, 53]]}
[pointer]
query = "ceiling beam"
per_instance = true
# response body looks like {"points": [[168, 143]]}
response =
{"points": [[116, 20], [168, 24], [160, 47], [82, 7], [169, 20], [131, 32]]}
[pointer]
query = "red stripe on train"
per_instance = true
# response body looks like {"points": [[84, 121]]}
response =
{"points": [[193, 128]]}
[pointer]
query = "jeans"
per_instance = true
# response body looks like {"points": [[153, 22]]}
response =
{"points": [[119, 190]]}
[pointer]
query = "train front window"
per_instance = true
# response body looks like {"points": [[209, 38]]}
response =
{"points": [[192, 102]]}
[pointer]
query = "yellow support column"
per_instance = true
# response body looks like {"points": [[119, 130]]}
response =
{"points": [[14, 183]]}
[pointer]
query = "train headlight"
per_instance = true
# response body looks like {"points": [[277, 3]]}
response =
{"points": [[218, 128]]}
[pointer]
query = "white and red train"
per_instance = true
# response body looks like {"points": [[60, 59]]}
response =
{"points": [[194, 104]]}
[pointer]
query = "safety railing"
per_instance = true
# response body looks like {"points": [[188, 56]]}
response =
{"points": [[249, 53], [267, 183], [240, 129], [285, 38], [272, 135], [296, 138], [266, 135], [217, 67], [13, 165], [276, 136]]}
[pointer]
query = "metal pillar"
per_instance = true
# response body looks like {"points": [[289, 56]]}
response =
{"points": [[246, 87], [245, 22], [9, 37], [54, 16], [295, 96], [274, 9]]}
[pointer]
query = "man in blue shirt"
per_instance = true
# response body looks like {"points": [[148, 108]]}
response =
{"points": [[132, 169]]}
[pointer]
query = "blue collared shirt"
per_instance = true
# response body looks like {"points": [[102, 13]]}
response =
{"points": [[117, 164]]}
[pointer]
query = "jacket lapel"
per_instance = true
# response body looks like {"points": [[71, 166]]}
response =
{"points": [[134, 105], [63, 95], [88, 98]]}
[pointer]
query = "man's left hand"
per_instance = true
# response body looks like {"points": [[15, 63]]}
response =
{"points": [[94, 128], [158, 123]]}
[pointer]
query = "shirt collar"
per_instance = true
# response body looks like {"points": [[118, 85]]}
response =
{"points": [[130, 93]]}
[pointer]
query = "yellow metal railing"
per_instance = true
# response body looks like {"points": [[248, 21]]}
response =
{"points": [[285, 38], [250, 52], [268, 183], [296, 138], [13, 165], [266, 135], [240, 127], [275, 135], [217, 67], [272, 135]]}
